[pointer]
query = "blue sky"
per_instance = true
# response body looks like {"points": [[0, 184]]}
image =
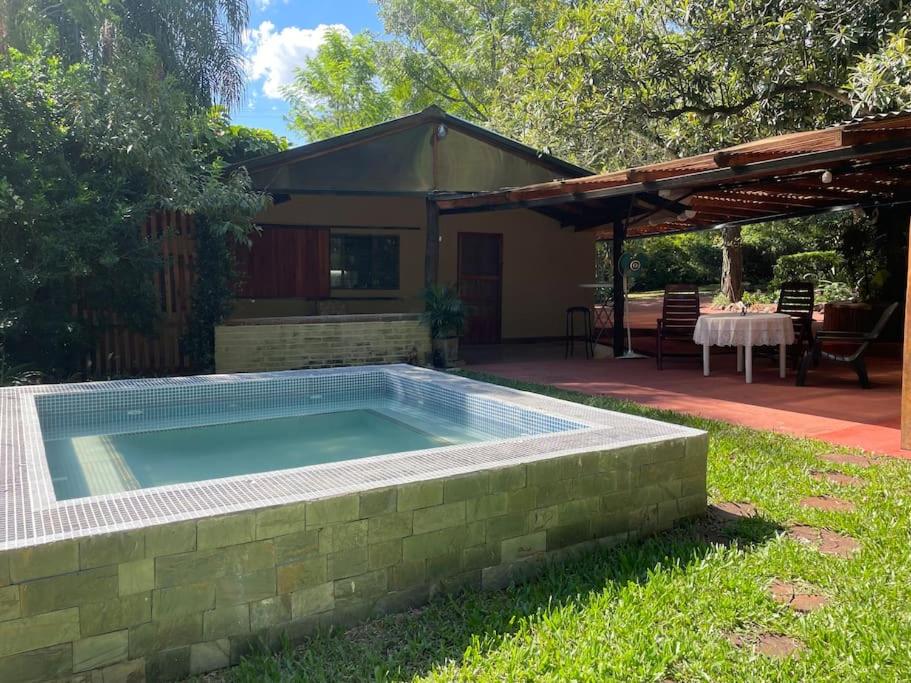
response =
{"points": [[282, 34]]}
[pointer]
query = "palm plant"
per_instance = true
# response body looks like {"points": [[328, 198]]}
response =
{"points": [[444, 312], [198, 42]]}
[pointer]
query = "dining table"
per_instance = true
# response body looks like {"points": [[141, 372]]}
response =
{"points": [[744, 330]]}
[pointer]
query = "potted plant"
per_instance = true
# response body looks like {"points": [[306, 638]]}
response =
{"points": [[445, 315]]}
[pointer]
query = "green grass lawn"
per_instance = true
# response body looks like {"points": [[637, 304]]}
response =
{"points": [[663, 608]]}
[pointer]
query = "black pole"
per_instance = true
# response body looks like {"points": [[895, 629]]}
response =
{"points": [[616, 252]]}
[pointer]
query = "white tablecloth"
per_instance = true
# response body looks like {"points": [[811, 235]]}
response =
{"points": [[752, 329]]}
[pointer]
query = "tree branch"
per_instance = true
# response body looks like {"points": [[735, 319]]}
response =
{"points": [[830, 91]]}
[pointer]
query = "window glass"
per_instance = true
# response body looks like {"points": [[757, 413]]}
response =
{"points": [[364, 262]]}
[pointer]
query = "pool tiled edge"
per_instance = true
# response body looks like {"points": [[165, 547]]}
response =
{"points": [[179, 580]]}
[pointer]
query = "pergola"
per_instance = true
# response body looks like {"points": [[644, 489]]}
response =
{"points": [[861, 164]]}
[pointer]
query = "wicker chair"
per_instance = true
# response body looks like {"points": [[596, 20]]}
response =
{"points": [[855, 358], [679, 314]]}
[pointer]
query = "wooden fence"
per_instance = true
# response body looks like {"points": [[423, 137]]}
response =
{"points": [[120, 352]]}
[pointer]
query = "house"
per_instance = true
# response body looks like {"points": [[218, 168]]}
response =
{"points": [[354, 230]]}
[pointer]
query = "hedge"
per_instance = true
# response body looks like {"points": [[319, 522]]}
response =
{"points": [[808, 265]]}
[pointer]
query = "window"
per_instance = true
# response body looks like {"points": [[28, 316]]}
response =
{"points": [[364, 262]]}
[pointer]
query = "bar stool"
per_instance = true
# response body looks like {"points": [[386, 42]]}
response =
{"points": [[570, 340]]}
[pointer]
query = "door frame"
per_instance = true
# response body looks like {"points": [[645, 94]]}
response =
{"points": [[499, 236]]}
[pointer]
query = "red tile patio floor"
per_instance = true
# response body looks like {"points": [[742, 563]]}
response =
{"points": [[832, 407]]}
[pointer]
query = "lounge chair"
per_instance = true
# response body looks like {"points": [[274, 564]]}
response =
{"points": [[679, 314], [855, 358]]}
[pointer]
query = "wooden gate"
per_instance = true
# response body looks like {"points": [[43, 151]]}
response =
{"points": [[122, 352]]}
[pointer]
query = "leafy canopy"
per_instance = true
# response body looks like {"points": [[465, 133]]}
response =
{"points": [[609, 83]]}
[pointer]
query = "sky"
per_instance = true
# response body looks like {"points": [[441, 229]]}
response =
{"points": [[282, 34]]}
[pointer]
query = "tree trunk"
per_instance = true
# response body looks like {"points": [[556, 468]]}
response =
{"points": [[731, 263]]}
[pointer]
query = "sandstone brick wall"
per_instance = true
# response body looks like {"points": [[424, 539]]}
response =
{"points": [[320, 342], [169, 601]]}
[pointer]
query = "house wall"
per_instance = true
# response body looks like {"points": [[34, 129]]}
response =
{"points": [[165, 602], [543, 264]]}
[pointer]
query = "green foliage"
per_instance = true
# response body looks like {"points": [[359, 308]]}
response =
{"points": [[212, 294], [863, 248], [229, 143], [814, 266], [341, 88], [87, 154], [444, 312], [690, 258], [759, 297], [833, 290], [879, 79], [196, 42]]}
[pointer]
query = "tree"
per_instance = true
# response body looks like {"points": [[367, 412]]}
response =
{"points": [[198, 42], [87, 153], [342, 88], [450, 53]]}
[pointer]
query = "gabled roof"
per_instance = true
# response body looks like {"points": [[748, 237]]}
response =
{"points": [[432, 114], [868, 162]]}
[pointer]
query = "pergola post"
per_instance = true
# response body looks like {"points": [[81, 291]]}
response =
{"points": [[619, 234], [432, 249], [906, 362]]}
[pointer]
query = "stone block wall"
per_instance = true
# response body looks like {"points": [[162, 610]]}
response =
{"points": [[165, 602], [256, 345]]}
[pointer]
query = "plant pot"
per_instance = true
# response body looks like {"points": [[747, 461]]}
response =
{"points": [[446, 349]]}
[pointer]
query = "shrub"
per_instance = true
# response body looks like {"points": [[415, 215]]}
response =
{"points": [[809, 265]]}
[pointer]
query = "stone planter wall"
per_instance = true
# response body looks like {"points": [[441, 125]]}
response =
{"points": [[265, 344], [168, 601]]}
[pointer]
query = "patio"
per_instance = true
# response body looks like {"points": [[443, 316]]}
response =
{"points": [[832, 407]]}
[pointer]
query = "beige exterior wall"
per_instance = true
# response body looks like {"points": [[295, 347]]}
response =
{"points": [[166, 602], [543, 264]]}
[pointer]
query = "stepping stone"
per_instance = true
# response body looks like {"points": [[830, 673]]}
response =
{"points": [[839, 479], [798, 599], [827, 504], [772, 645], [846, 459], [825, 541]]}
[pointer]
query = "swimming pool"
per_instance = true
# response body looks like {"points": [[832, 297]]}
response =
{"points": [[123, 438], [266, 505]]}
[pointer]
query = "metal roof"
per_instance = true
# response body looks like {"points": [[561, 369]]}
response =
{"points": [[864, 162]]}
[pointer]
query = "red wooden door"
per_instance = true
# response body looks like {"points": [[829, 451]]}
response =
{"points": [[480, 285]]}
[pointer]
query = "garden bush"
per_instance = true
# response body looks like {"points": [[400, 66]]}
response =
{"points": [[809, 265]]}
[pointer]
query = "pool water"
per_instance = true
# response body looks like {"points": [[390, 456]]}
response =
{"points": [[103, 464]]}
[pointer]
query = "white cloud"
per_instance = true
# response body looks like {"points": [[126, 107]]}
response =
{"points": [[273, 55]]}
